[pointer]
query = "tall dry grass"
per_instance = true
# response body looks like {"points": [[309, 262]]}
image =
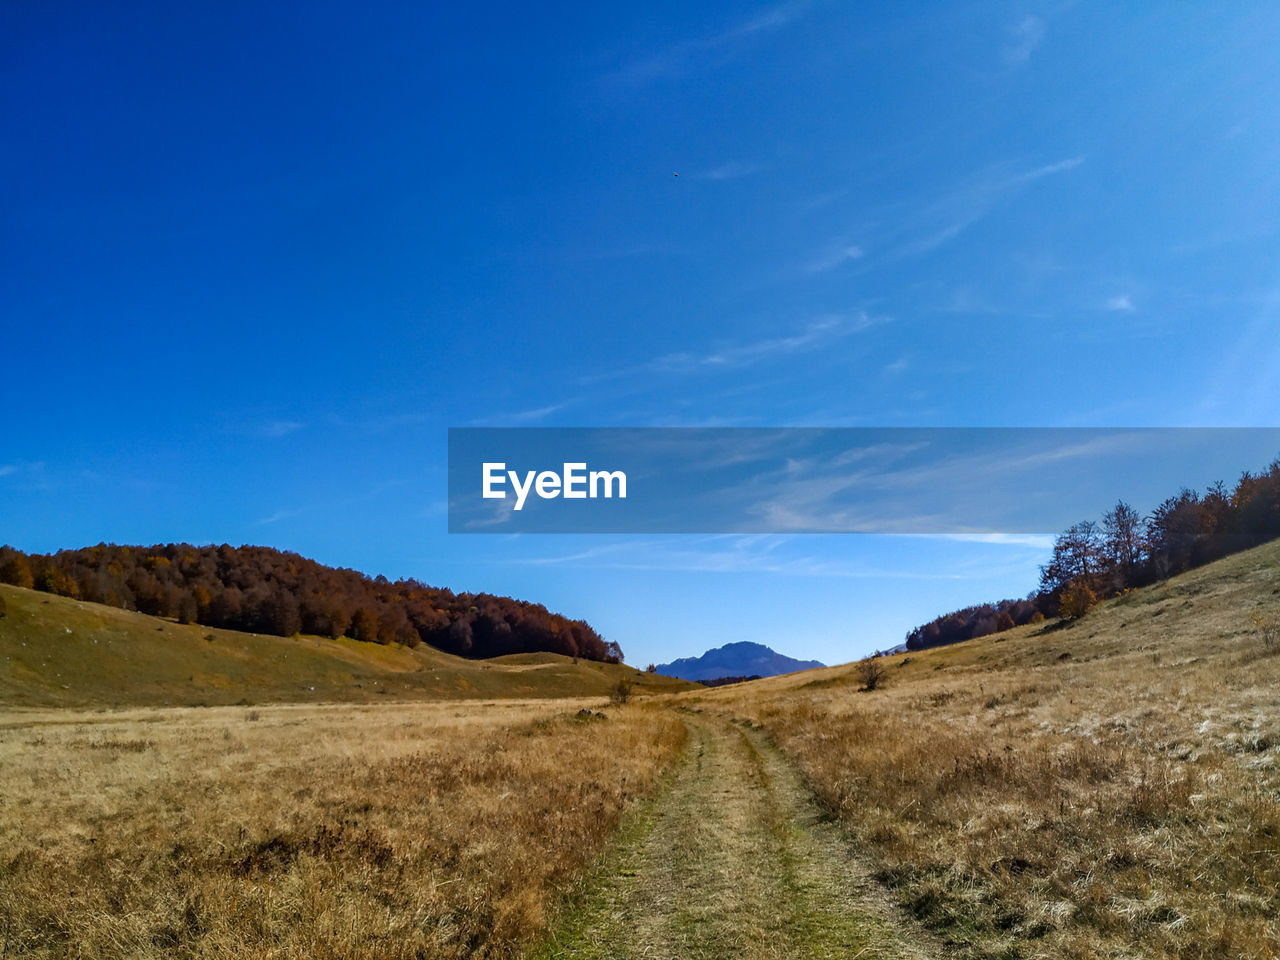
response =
{"points": [[1111, 789], [400, 831]]}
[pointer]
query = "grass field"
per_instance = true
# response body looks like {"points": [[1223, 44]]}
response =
{"points": [[390, 831], [60, 652], [1109, 788], [1105, 789]]}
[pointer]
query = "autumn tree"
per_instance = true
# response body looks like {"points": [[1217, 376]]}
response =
{"points": [[15, 569], [1174, 529], [364, 625], [1124, 539], [1076, 600], [1077, 555]]}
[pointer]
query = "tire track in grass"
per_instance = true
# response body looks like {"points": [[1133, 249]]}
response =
{"points": [[734, 860]]}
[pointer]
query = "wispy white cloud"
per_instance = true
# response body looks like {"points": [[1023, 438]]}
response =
{"points": [[1243, 386], [776, 554], [1023, 39], [949, 217], [687, 55], [834, 256], [738, 553], [814, 335], [529, 415], [278, 516], [729, 170], [1048, 170], [496, 512], [281, 428], [896, 368], [288, 513], [948, 491], [436, 508], [822, 199], [389, 422], [1041, 541], [21, 467], [1121, 303]]}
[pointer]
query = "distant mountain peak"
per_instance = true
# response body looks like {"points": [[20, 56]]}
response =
{"points": [[741, 658]]}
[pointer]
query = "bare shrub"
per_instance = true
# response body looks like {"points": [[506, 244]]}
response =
{"points": [[1267, 627], [621, 692], [871, 673]]}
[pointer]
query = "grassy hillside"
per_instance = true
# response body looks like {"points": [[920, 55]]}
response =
{"points": [[60, 652], [387, 831], [1109, 788], [1105, 788]]}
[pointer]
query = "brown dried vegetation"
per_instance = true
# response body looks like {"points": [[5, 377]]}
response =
{"points": [[1107, 789], [396, 831]]}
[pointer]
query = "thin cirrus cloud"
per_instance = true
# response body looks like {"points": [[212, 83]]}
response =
{"points": [[896, 368], [833, 257], [281, 428], [780, 554], [1121, 303], [816, 334], [941, 492], [278, 516], [13, 469], [1024, 37], [685, 56], [1039, 541], [730, 170], [526, 416], [949, 217]]}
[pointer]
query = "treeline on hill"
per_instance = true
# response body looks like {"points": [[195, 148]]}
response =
{"points": [[1092, 561], [726, 681], [261, 590]]}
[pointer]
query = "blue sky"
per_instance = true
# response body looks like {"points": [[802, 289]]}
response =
{"points": [[257, 260]]}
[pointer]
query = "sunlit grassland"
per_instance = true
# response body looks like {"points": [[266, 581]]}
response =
{"points": [[55, 651], [1105, 789], [389, 830]]}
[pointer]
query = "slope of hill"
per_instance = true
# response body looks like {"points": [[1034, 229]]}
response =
{"points": [[265, 590], [742, 659], [1101, 788], [55, 651]]}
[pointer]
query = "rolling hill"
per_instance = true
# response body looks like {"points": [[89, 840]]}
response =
{"points": [[62, 652], [1103, 787], [1099, 788]]}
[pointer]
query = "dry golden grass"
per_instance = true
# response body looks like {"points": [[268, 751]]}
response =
{"points": [[1107, 789], [58, 652], [1104, 789], [397, 831]]}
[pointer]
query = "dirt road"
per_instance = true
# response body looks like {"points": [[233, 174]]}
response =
{"points": [[734, 860]]}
